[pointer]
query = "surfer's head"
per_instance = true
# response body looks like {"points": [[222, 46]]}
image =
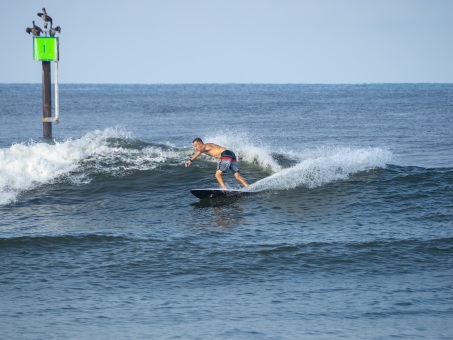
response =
{"points": [[197, 143]]}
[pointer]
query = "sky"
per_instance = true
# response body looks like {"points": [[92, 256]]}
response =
{"points": [[235, 41]]}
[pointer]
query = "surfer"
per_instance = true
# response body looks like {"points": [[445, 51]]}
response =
{"points": [[227, 160]]}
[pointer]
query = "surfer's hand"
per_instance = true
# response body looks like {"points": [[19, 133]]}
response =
{"points": [[188, 162]]}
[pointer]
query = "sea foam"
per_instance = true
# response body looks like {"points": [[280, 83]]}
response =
{"points": [[24, 167], [318, 167], [311, 167]]}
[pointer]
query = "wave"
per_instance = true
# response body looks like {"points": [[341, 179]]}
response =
{"points": [[386, 255], [318, 167], [309, 168], [47, 241], [114, 152], [24, 167]]}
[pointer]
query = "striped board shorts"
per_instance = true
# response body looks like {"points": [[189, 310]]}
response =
{"points": [[228, 161]]}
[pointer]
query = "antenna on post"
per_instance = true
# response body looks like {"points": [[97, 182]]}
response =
{"points": [[46, 49]]}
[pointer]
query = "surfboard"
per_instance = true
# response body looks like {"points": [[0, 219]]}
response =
{"points": [[218, 193]]}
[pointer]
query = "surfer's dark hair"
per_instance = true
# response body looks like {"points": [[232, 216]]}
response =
{"points": [[198, 139]]}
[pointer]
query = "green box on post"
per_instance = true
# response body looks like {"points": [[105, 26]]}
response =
{"points": [[45, 48]]}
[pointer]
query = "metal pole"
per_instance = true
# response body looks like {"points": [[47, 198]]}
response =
{"points": [[46, 99], [57, 99]]}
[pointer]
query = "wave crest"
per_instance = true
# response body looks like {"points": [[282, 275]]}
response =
{"points": [[24, 167], [324, 165]]}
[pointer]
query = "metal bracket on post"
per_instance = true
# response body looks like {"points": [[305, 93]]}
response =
{"points": [[56, 118]]}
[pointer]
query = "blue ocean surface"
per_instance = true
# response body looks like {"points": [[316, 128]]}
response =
{"points": [[350, 236]]}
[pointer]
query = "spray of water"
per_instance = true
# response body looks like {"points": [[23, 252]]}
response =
{"points": [[324, 166]]}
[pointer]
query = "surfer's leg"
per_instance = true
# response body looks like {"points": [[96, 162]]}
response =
{"points": [[241, 179], [218, 176]]}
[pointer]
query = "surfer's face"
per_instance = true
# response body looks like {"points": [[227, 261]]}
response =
{"points": [[197, 145]]}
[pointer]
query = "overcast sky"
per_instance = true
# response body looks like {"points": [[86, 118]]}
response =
{"points": [[235, 41]]}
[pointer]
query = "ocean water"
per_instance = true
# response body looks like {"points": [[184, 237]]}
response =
{"points": [[351, 235]]}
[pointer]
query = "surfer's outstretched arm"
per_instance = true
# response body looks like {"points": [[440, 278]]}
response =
{"points": [[191, 159]]}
